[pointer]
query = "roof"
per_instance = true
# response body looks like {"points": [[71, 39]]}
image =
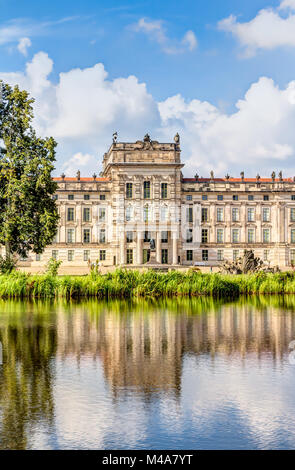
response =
{"points": [[236, 180], [99, 180]]}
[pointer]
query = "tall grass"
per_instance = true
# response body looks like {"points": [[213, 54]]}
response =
{"points": [[122, 284]]}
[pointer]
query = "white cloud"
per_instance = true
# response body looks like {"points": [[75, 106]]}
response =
{"points": [[23, 45], [269, 29], [156, 31], [83, 108]]}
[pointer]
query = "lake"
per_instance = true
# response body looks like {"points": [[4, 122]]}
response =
{"points": [[168, 374]]}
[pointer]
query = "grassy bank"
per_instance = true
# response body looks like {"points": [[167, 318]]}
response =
{"points": [[127, 284]]}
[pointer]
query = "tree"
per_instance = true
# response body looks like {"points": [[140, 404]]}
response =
{"points": [[28, 213]]}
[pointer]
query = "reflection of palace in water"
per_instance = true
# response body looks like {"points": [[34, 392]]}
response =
{"points": [[146, 350]]}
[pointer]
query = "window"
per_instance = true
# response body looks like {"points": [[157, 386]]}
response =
{"points": [[54, 239], [164, 190], [189, 255], [128, 190], [204, 214], [293, 197], [146, 255], [265, 214], [189, 197], [54, 254], [251, 235], [292, 214], [220, 255], [102, 215], [292, 257], [129, 237], [86, 255], [164, 237], [102, 236], [235, 197], [146, 214], [266, 254], [189, 236], [266, 235], [219, 214], [250, 214], [55, 197], [86, 197], [147, 237], [102, 255], [266, 197], [235, 235], [164, 214], [164, 256], [128, 213], [86, 214], [235, 214], [189, 214], [129, 256], [219, 197], [250, 197], [204, 197], [146, 189], [70, 214], [70, 197], [86, 235], [219, 235], [102, 197], [292, 235], [204, 235], [204, 255], [70, 235], [38, 257], [70, 255], [235, 255]]}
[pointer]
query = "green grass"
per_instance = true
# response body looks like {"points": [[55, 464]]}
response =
{"points": [[123, 284]]}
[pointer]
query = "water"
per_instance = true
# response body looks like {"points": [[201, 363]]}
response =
{"points": [[177, 374]]}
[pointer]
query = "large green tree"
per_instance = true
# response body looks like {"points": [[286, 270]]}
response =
{"points": [[28, 213]]}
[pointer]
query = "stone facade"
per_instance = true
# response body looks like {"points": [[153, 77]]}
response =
{"points": [[141, 194]]}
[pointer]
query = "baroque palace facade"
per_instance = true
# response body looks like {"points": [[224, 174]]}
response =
{"points": [[142, 195]]}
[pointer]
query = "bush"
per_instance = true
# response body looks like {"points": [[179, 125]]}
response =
{"points": [[7, 264], [52, 267]]}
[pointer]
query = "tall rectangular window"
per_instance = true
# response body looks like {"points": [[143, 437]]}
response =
{"points": [[164, 256], [220, 255], [266, 235], [292, 257], [128, 213], [164, 236], [86, 214], [204, 214], [164, 214], [129, 190], [205, 255], [189, 236], [70, 255], [129, 257], [189, 255], [292, 214], [292, 235], [70, 235], [146, 214], [54, 254], [129, 237], [70, 214], [219, 214], [265, 214], [266, 254], [86, 255], [235, 255], [189, 214], [235, 214], [235, 235], [102, 236], [146, 254], [38, 257], [146, 189], [204, 235], [102, 255], [164, 190], [147, 237], [86, 235], [219, 235], [251, 235], [102, 214], [250, 214]]}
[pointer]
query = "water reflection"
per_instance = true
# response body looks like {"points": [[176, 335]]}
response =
{"points": [[78, 375]]}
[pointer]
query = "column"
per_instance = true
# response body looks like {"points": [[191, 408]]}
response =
{"points": [[174, 248], [158, 246], [139, 247]]}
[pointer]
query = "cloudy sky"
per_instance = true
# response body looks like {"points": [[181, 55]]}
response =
{"points": [[221, 73]]}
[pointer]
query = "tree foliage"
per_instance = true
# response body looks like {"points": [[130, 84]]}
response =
{"points": [[28, 213]]}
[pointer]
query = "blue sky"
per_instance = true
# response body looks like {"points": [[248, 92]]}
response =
{"points": [[198, 58]]}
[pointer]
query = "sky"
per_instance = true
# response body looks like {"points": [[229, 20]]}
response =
{"points": [[220, 73]]}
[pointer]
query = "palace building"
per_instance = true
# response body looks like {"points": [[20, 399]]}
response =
{"points": [[141, 195]]}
